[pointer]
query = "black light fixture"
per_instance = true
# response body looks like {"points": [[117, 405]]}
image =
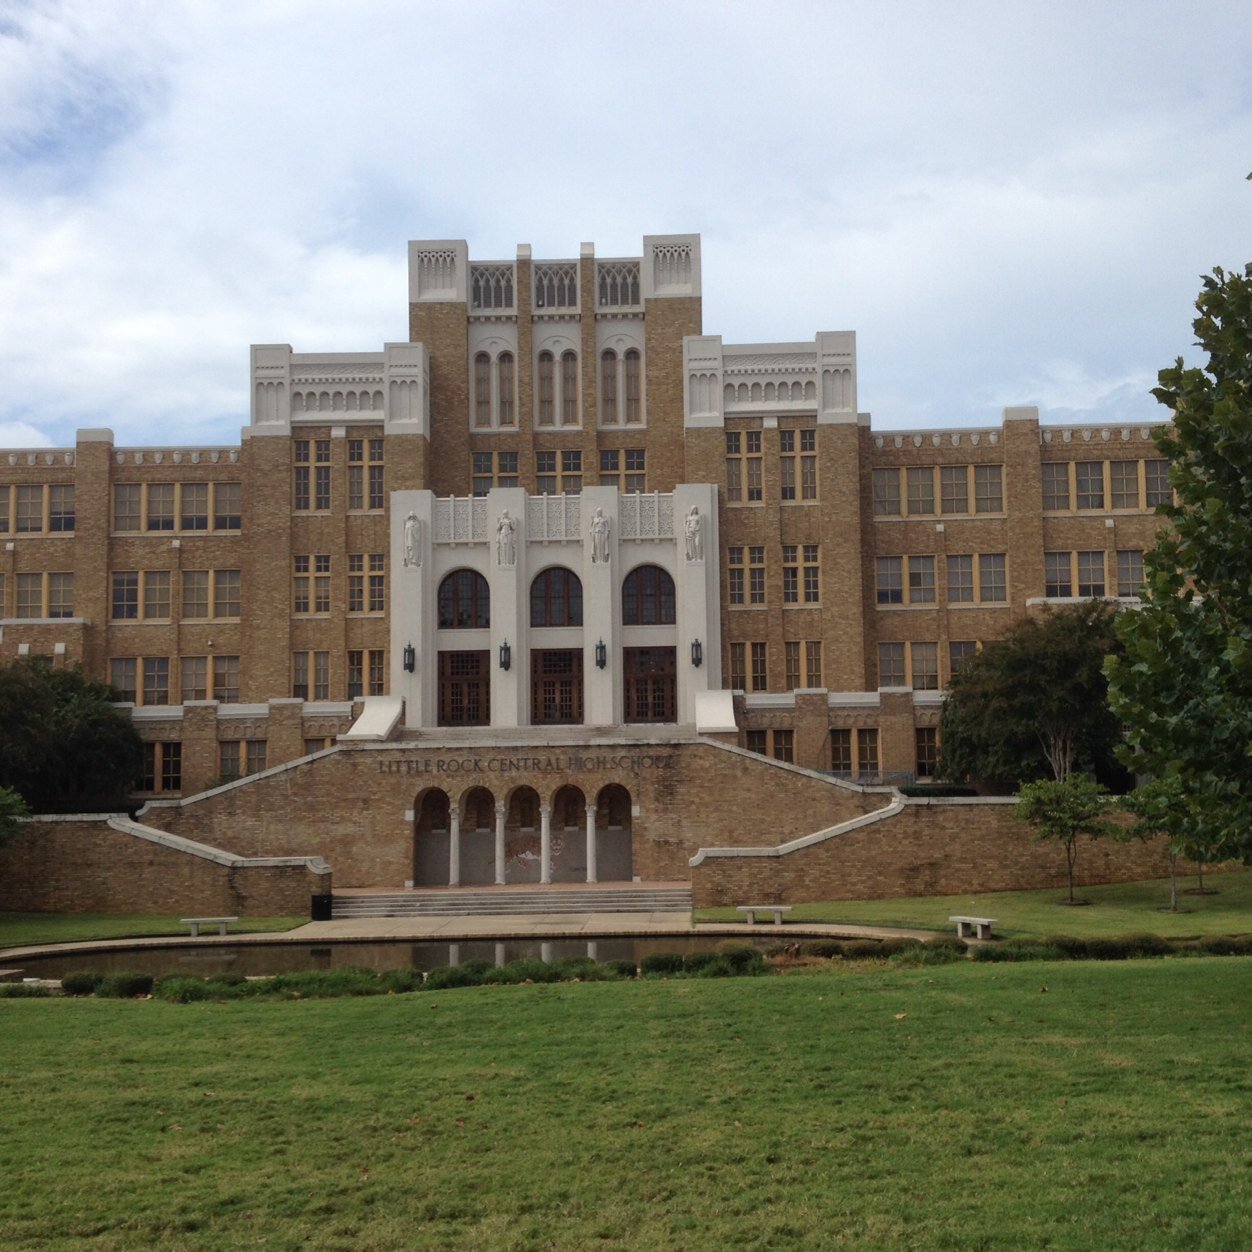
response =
{"points": [[602, 655], [410, 658], [506, 655], [697, 653]]}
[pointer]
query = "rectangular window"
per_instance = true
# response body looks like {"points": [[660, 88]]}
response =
{"points": [[1124, 484], [29, 510], [784, 745], [226, 593], [300, 675], [172, 766], [921, 580], [891, 665], [791, 573], [315, 745], [921, 484], [808, 465], [160, 506], [738, 667], [195, 593], [867, 750], [1056, 485], [125, 596], [194, 507], [356, 473], [756, 575], [1091, 573], [4, 510], [29, 595], [356, 675], [376, 673], [321, 675], [1156, 483], [195, 678], [760, 673], [988, 489], [377, 582], [226, 679], [810, 574], [255, 755], [925, 658], [927, 738], [754, 741], [60, 595], [156, 680], [743, 465], [841, 751], [992, 584], [122, 678], [813, 663], [228, 759], [1129, 572], [227, 506], [791, 664], [734, 575], [959, 651], [321, 474], [886, 493], [954, 488], [321, 583], [493, 469], [1089, 484], [1058, 580], [787, 464], [61, 507], [301, 498], [156, 593], [889, 580], [301, 586], [960, 580]]}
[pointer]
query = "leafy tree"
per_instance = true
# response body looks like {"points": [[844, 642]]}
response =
{"points": [[12, 806], [1034, 703], [1158, 808], [64, 747], [1065, 811], [1184, 683]]}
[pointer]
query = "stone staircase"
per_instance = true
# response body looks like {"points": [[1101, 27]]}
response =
{"points": [[512, 901]]}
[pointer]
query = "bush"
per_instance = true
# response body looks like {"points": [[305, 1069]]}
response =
{"points": [[572, 967], [661, 963], [81, 982], [862, 950], [183, 989], [927, 954], [1016, 950], [949, 942], [694, 962], [1099, 949], [471, 974], [1226, 945], [742, 958], [1072, 948], [402, 980], [125, 986], [622, 968], [23, 991], [936, 791], [527, 969], [1146, 945]]}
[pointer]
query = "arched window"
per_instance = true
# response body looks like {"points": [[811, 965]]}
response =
{"points": [[556, 599], [504, 375], [634, 412], [464, 601], [648, 597], [482, 389], [547, 389], [608, 387], [569, 388]]}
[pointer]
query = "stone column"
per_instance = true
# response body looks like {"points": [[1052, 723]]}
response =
{"points": [[591, 843], [500, 815], [545, 843], [454, 845]]}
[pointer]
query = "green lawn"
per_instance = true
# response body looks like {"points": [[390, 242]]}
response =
{"points": [[19, 929], [1114, 909], [1077, 1105]]}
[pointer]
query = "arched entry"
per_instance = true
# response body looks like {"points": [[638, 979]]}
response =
{"points": [[569, 835], [614, 861], [478, 838], [431, 839], [522, 836]]}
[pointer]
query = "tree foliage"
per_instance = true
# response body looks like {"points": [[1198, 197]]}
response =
{"points": [[12, 806], [64, 747], [1034, 704], [1184, 683], [1065, 811]]}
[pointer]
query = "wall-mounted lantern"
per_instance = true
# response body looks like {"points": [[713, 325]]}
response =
{"points": [[697, 653], [602, 655], [506, 655], [410, 658]]}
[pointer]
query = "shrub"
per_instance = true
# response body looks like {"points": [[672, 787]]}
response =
{"points": [[81, 982], [402, 980], [1099, 949], [572, 967], [862, 950], [1226, 945], [527, 969], [231, 978], [718, 967], [1146, 945], [1072, 948], [742, 958], [661, 963], [694, 962], [125, 986], [1016, 950], [183, 989], [471, 974], [23, 991], [927, 954], [937, 791], [622, 968], [949, 942]]}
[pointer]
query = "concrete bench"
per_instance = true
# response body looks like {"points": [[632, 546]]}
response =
{"points": [[196, 922], [969, 927], [753, 909]]}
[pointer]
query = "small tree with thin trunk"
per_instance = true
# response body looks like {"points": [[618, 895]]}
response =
{"points": [[1159, 808], [1064, 812]]}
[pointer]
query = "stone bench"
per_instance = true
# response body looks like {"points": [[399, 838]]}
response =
{"points": [[753, 909], [971, 927], [196, 922]]}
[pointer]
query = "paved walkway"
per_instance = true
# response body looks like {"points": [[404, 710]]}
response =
{"points": [[455, 929]]}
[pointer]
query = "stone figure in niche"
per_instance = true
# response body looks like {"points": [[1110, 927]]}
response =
{"points": [[599, 538], [693, 527], [506, 540], [412, 541]]}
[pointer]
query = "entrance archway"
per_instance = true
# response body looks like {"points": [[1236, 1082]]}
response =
{"points": [[522, 836], [431, 839], [569, 835], [478, 838], [614, 857]]}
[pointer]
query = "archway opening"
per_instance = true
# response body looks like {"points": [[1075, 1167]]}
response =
{"points": [[478, 838], [431, 839], [569, 835], [522, 836], [614, 856]]}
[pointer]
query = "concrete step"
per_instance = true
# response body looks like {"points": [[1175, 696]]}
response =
{"points": [[469, 902]]}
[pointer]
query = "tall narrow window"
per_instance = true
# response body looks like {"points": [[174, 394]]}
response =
{"points": [[569, 388], [1089, 481], [988, 488], [738, 666], [921, 481], [546, 398], [1056, 485], [301, 498], [194, 506], [160, 506], [227, 506], [321, 474], [813, 663], [954, 488], [482, 390], [61, 507], [886, 490], [504, 377], [760, 670], [127, 506], [634, 405], [608, 387]]}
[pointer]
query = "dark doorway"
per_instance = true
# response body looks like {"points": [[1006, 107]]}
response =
{"points": [[649, 676], [556, 687]]}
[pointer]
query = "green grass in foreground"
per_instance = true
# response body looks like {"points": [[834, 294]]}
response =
{"points": [[1114, 909], [20, 929], [1062, 1106]]}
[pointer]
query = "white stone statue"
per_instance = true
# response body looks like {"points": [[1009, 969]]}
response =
{"points": [[506, 540], [412, 541], [599, 538], [693, 527]]}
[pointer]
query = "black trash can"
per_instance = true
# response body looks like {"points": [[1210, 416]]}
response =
{"points": [[321, 909]]}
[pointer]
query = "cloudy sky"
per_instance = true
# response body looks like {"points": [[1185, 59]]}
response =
{"points": [[1010, 203]]}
